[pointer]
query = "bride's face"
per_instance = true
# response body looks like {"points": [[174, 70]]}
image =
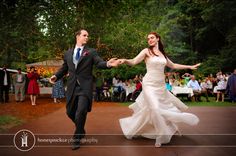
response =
{"points": [[152, 40]]}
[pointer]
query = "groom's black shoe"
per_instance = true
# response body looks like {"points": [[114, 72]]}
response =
{"points": [[75, 145]]}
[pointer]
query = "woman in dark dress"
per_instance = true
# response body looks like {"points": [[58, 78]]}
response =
{"points": [[58, 91]]}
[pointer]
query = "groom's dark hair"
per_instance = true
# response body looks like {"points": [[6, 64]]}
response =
{"points": [[79, 31]]}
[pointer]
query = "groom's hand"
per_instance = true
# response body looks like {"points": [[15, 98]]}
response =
{"points": [[113, 62]]}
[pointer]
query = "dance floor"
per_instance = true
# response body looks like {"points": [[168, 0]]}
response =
{"points": [[215, 135]]}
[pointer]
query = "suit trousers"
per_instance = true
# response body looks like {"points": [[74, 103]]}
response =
{"points": [[4, 93], [81, 103]]}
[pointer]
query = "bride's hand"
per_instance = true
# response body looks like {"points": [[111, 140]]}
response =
{"points": [[195, 66]]}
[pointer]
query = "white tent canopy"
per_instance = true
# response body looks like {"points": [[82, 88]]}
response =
{"points": [[46, 63], [13, 70]]}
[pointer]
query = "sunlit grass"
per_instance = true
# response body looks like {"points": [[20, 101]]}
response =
{"points": [[7, 122]]}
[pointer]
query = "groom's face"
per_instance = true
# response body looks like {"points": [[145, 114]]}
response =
{"points": [[82, 38]]}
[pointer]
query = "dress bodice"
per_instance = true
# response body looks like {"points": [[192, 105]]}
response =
{"points": [[155, 69]]}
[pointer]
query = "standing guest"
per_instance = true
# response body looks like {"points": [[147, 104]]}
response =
{"points": [[19, 83], [231, 86], [5, 83], [33, 87], [58, 91]]}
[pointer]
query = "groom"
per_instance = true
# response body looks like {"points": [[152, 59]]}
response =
{"points": [[78, 63]]}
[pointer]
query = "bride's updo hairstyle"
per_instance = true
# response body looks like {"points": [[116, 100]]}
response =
{"points": [[160, 45]]}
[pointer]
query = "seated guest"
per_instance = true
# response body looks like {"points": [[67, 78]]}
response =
{"points": [[129, 89], [206, 84], [137, 89], [105, 90], [168, 86], [174, 82], [197, 90], [186, 78]]}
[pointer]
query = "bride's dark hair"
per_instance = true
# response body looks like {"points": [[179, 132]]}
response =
{"points": [[160, 45]]}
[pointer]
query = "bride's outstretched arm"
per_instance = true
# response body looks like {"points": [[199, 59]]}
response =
{"points": [[172, 65], [139, 58]]}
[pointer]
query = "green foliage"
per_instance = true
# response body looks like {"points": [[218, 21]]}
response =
{"points": [[124, 71], [212, 65], [40, 54], [16, 65], [192, 31], [227, 53], [18, 29]]}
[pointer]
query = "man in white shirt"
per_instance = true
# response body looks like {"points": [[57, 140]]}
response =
{"points": [[197, 90]]}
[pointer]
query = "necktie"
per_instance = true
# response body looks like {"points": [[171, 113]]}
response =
{"points": [[77, 54]]}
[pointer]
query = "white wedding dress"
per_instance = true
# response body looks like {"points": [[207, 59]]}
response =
{"points": [[156, 111]]}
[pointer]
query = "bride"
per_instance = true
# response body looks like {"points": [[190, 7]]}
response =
{"points": [[156, 111]]}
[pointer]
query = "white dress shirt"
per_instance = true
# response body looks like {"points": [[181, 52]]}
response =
{"points": [[74, 54], [5, 79]]}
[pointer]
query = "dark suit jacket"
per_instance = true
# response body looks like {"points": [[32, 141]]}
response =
{"points": [[82, 74], [2, 74]]}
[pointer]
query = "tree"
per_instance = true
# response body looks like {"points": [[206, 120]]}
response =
{"points": [[19, 31], [191, 30]]}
